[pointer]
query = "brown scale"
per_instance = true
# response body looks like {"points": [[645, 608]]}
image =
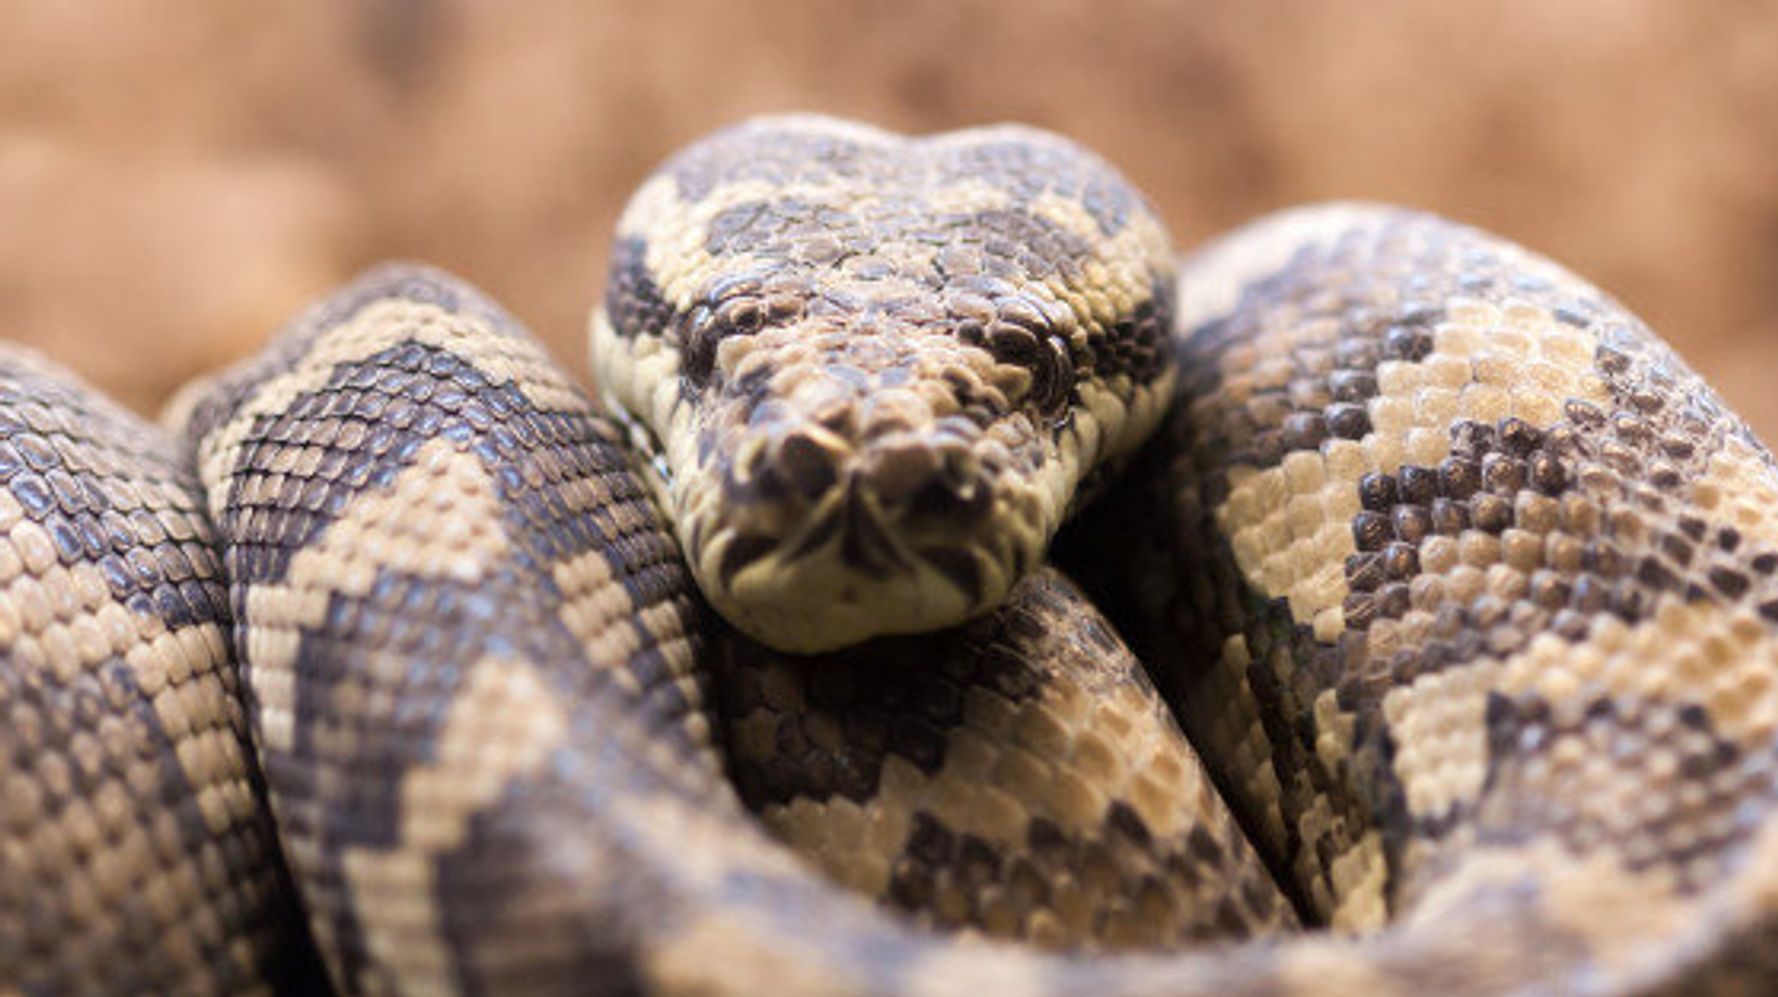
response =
{"points": [[1594, 528], [790, 243], [1502, 482], [1580, 776], [996, 776], [474, 709], [437, 552], [468, 639], [1562, 524], [134, 850], [1194, 595]]}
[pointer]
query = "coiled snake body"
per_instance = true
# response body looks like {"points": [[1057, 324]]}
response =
{"points": [[1461, 583]]}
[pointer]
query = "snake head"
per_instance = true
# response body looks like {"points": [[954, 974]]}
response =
{"points": [[876, 367]]}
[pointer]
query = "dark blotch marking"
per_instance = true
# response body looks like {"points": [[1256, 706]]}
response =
{"points": [[632, 300], [1370, 530], [1377, 492], [1125, 820], [930, 842], [1418, 485]]}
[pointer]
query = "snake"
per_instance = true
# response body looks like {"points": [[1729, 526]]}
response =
{"points": [[948, 590]]}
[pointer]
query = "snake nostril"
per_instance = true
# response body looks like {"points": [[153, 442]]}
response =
{"points": [[809, 460], [1056, 381]]}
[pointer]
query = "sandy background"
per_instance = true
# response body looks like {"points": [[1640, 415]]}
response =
{"points": [[177, 178]]}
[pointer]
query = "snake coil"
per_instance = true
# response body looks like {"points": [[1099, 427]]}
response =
{"points": [[1453, 591]]}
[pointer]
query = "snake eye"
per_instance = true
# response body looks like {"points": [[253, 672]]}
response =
{"points": [[732, 306], [1044, 354], [698, 337]]}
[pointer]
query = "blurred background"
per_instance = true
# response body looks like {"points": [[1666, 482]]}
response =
{"points": [[177, 179]]}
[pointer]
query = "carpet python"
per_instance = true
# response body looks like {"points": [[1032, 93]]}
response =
{"points": [[1448, 591]]}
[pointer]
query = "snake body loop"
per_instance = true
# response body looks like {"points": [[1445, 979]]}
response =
{"points": [[1461, 584], [135, 851]]}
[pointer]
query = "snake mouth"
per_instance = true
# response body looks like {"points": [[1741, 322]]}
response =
{"points": [[821, 544]]}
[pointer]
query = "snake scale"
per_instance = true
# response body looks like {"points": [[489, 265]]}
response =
{"points": [[1449, 594]]}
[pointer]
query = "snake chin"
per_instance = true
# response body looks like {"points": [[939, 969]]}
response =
{"points": [[816, 603]]}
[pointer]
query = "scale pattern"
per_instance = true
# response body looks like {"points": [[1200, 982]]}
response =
{"points": [[1464, 585], [469, 647], [434, 551], [134, 850], [1017, 775], [1461, 582]]}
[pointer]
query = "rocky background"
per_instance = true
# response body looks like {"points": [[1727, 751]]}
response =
{"points": [[177, 179]]}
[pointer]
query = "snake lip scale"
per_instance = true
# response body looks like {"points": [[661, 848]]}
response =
{"points": [[1406, 588]]}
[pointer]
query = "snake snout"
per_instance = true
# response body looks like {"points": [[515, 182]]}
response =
{"points": [[879, 508], [914, 482]]}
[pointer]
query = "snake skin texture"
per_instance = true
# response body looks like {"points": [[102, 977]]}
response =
{"points": [[1464, 585], [1018, 776], [879, 366], [436, 553], [135, 853], [467, 646], [1459, 584]]}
